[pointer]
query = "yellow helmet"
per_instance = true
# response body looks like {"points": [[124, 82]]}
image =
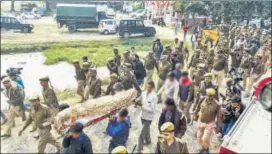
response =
{"points": [[75, 61], [210, 91], [85, 64], [119, 150], [167, 127]]}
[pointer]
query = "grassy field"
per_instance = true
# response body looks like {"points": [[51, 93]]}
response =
{"points": [[97, 51]]}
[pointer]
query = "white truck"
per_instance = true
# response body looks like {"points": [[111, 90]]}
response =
{"points": [[252, 131]]}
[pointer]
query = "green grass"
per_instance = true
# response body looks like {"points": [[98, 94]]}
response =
{"points": [[97, 51]]}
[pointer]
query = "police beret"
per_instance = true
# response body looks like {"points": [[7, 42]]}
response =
{"points": [[113, 75], [34, 97], [75, 61], [167, 127], [210, 91], [110, 59], [85, 64], [229, 80], [5, 79], [46, 78], [119, 150], [208, 75], [201, 65]]}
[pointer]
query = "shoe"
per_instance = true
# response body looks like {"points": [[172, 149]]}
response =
{"points": [[6, 135]]}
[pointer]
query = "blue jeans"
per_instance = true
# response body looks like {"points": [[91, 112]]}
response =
{"points": [[112, 145], [140, 81], [226, 127]]}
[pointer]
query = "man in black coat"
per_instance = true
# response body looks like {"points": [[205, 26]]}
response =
{"points": [[139, 70], [76, 141]]}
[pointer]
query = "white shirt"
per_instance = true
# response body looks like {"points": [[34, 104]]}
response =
{"points": [[149, 101], [169, 88]]}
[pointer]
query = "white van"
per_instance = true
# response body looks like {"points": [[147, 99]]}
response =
{"points": [[107, 26]]}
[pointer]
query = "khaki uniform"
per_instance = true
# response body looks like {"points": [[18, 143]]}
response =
{"points": [[207, 112], [80, 77], [110, 90], [165, 68], [150, 64], [39, 117], [245, 65], [50, 99], [220, 68], [193, 64], [256, 72], [93, 88], [16, 98], [128, 79], [177, 147]]}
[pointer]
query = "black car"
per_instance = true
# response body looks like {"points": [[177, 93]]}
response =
{"points": [[128, 27], [9, 22]]}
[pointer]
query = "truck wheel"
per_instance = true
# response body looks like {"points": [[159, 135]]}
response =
{"points": [[72, 28], [106, 32], [25, 30], [126, 35]]}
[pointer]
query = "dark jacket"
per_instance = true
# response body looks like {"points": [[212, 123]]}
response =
{"points": [[178, 119], [119, 131], [139, 70], [81, 145]]}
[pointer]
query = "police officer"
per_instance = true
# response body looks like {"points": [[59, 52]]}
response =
{"points": [[220, 68], [150, 64], [127, 58], [168, 143], [80, 77], [94, 85], [16, 96], [112, 66], [246, 65], [208, 109], [194, 61], [128, 79], [114, 79], [165, 67], [49, 95], [206, 84], [42, 118]]}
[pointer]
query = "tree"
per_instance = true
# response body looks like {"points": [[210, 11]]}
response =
{"points": [[12, 6], [196, 8]]}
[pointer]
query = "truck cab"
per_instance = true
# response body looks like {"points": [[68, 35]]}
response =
{"points": [[252, 131], [127, 27]]}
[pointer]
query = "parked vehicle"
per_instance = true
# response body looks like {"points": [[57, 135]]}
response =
{"points": [[29, 15], [76, 16], [107, 26], [9, 22], [252, 131], [27, 6], [128, 27]]}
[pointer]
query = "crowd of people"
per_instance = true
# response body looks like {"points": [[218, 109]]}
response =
{"points": [[189, 86]]}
